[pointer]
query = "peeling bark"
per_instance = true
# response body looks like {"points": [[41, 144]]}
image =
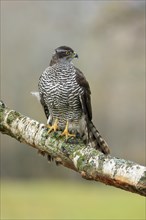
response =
{"points": [[90, 163]]}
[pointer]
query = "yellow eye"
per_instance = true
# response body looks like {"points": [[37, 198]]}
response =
{"points": [[67, 52]]}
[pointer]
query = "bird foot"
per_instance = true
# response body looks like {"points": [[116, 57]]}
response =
{"points": [[66, 132], [53, 127]]}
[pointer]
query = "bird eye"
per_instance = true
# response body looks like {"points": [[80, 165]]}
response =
{"points": [[67, 52]]}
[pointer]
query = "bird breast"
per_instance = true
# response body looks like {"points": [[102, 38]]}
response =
{"points": [[61, 88]]}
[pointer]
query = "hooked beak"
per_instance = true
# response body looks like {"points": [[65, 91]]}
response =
{"points": [[75, 55]]}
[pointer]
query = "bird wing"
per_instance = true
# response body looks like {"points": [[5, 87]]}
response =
{"points": [[41, 94], [85, 97], [45, 107]]}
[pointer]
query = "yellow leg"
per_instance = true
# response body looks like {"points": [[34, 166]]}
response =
{"points": [[54, 126], [66, 133]]}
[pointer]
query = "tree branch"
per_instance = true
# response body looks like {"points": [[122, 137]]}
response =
{"points": [[90, 163]]}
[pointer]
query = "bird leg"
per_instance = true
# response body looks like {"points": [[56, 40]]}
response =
{"points": [[66, 132], [54, 126]]}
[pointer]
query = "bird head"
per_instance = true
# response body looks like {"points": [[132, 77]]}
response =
{"points": [[65, 53]]}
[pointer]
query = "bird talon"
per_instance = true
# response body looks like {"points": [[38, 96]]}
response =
{"points": [[53, 127], [66, 132]]}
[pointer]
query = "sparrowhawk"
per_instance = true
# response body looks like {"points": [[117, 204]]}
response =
{"points": [[65, 96]]}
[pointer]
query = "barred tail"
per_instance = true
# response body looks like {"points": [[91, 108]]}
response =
{"points": [[96, 140]]}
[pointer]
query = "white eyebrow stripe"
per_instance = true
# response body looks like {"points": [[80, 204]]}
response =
{"points": [[61, 50]]}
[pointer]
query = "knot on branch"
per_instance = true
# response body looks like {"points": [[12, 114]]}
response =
{"points": [[2, 105]]}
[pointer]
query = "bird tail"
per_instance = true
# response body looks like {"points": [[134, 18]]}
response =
{"points": [[96, 140]]}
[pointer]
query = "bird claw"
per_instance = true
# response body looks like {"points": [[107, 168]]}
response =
{"points": [[53, 127], [66, 132]]}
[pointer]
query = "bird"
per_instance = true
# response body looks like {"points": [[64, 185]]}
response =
{"points": [[65, 96]]}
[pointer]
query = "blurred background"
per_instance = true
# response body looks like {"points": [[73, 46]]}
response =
{"points": [[109, 37]]}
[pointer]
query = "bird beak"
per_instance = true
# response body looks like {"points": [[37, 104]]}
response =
{"points": [[75, 55]]}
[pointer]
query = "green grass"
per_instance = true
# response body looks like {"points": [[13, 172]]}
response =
{"points": [[68, 200]]}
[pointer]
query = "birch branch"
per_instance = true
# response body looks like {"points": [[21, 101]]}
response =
{"points": [[90, 163]]}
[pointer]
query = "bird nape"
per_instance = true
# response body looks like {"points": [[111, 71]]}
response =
{"points": [[66, 99]]}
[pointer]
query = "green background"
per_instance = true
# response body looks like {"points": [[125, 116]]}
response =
{"points": [[68, 200]]}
